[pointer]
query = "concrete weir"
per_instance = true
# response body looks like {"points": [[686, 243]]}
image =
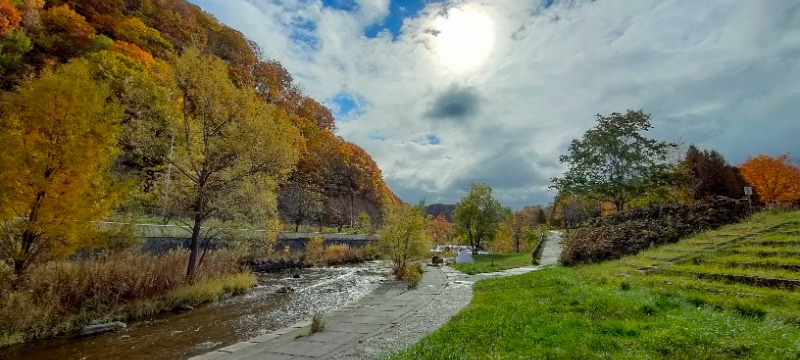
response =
{"points": [[354, 323]]}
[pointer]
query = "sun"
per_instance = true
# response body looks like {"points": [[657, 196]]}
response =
{"points": [[464, 39]]}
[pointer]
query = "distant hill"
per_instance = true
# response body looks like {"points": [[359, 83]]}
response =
{"points": [[436, 209], [333, 182]]}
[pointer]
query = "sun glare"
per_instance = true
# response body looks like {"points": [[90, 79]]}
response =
{"points": [[464, 40]]}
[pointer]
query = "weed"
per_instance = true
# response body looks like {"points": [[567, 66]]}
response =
{"points": [[317, 322], [412, 274], [58, 297]]}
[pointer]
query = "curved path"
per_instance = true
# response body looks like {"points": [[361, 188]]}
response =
{"points": [[389, 319]]}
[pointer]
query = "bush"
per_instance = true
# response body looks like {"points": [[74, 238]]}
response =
{"points": [[412, 274], [629, 232], [317, 322]]}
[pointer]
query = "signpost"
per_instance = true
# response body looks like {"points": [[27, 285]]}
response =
{"points": [[748, 192]]}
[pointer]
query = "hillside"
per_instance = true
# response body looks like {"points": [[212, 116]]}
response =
{"points": [[135, 43]]}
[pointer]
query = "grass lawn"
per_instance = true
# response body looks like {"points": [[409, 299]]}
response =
{"points": [[483, 263], [616, 310]]}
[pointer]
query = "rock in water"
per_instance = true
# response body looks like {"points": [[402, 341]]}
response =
{"points": [[184, 307], [296, 276], [285, 290], [101, 328]]}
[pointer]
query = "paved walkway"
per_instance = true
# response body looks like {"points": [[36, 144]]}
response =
{"points": [[355, 323], [389, 318], [552, 249]]}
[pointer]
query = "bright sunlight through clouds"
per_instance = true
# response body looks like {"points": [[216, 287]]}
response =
{"points": [[464, 38]]}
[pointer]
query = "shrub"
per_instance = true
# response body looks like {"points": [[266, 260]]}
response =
{"points": [[317, 322], [412, 274], [629, 232]]}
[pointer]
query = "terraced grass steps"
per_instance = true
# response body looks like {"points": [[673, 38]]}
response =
{"points": [[763, 252], [763, 281]]}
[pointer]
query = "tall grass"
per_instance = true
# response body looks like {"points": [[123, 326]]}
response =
{"points": [[58, 297]]}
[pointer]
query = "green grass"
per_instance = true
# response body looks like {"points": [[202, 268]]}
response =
{"points": [[483, 263], [611, 310]]}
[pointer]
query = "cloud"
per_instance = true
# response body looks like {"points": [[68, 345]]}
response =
{"points": [[455, 103], [723, 74]]}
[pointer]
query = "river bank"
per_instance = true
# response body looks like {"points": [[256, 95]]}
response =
{"points": [[218, 324]]}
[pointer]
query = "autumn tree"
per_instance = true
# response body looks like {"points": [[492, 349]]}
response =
{"points": [[228, 140], [774, 178], [478, 216], [710, 175], [523, 222], [66, 34], [402, 238], [439, 230], [300, 203], [150, 99], [614, 161], [570, 210], [58, 135], [10, 17]]}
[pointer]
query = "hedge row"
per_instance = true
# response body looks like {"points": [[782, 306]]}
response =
{"points": [[629, 232]]}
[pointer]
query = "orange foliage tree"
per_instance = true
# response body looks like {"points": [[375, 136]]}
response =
{"points": [[774, 178], [9, 17], [439, 230], [134, 52]]}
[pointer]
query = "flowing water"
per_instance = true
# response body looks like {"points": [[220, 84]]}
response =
{"points": [[209, 327]]}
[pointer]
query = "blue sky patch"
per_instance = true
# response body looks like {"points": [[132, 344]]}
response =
{"points": [[433, 139], [398, 11], [344, 5], [304, 33], [346, 106]]}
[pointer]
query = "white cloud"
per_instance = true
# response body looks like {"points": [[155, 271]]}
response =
{"points": [[724, 74]]}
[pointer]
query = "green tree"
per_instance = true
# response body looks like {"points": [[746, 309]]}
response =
{"points": [[58, 135], [13, 46], [478, 216], [230, 146], [402, 238], [614, 161]]}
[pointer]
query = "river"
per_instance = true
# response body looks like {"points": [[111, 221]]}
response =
{"points": [[216, 325]]}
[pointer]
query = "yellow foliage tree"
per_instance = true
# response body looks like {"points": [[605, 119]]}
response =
{"points": [[231, 148], [402, 237], [58, 135]]}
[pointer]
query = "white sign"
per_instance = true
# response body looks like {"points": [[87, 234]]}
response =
{"points": [[464, 257], [748, 191]]}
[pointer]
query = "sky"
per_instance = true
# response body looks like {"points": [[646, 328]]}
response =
{"points": [[446, 93]]}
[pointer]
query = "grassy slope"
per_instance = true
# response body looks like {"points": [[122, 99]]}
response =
{"points": [[483, 263], [611, 310]]}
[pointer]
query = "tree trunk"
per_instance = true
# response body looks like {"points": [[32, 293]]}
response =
{"points": [[352, 199], [194, 247], [19, 266]]}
